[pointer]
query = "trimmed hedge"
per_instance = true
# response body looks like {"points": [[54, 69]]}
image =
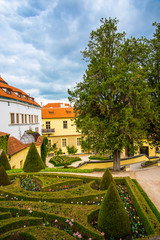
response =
{"points": [[106, 180], [63, 160], [81, 195], [4, 161], [33, 162], [113, 219], [148, 218], [4, 179]]}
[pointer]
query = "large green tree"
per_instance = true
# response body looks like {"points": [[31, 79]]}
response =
{"points": [[112, 102], [154, 84]]}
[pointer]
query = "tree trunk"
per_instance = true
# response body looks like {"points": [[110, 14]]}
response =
{"points": [[116, 160]]}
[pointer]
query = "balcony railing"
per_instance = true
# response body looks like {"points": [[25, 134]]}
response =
{"points": [[50, 130]]}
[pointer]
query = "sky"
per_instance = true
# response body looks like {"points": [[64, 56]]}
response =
{"points": [[41, 40]]}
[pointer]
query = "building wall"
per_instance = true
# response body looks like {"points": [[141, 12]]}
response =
{"points": [[17, 129], [17, 160], [70, 133]]}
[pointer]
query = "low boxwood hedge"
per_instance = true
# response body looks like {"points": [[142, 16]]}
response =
{"points": [[71, 203], [63, 160]]}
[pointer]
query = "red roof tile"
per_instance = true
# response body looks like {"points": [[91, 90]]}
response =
{"points": [[3, 134], [8, 91], [15, 146]]}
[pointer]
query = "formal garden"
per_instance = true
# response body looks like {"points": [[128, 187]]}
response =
{"points": [[40, 205]]}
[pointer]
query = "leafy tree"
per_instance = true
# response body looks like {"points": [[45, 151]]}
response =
{"points": [[112, 102], [4, 161], [56, 151], [44, 149], [86, 143], [71, 150], [33, 161], [113, 219], [4, 180], [154, 84]]}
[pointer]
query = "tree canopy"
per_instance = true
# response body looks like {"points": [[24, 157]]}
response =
{"points": [[113, 102]]}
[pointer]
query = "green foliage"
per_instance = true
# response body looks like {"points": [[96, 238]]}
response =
{"points": [[4, 180], [4, 143], [4, 161], [33, 162], [71, 150], [112, 102], [106, 180], [113, 219], [54, 149], [100, 157], [62, 160], [44, 149]]}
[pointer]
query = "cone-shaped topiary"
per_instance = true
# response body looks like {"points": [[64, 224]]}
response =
{"points": [[113, 219], [4, 180], [4, 161], [33, 162], [106, 180]]}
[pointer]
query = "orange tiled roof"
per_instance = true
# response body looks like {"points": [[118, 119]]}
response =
{"points": [[55, 105], [8, 91], [53, 112], [15, 146], [3, 134]]}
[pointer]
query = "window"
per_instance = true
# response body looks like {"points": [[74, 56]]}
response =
{"points": [[12, 118], [49, 143], [64, 143], [17, 118], [37, 118], [64, 124], [47, 125], [78, 141], [25, 118], [31, 118], [22, 118]]}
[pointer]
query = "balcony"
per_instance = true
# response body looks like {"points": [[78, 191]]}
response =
{"points": [[48, 131]]}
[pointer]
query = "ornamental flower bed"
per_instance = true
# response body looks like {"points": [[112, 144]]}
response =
{"points": [[70, 214]]}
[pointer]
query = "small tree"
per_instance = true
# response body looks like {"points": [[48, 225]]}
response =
{"points": [[71, 150], [56, 151], [4, 161], [113, 219], [33, 162], [106, 180], [4, 180], [44, 149]]}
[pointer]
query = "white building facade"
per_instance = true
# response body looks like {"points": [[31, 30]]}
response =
{"points": [[18, 111]]}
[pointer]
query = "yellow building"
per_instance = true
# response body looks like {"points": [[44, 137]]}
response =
{"points": [[17, 151], [58, 126]]}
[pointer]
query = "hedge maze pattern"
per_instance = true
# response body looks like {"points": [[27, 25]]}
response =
{"points": [[50, 206]]}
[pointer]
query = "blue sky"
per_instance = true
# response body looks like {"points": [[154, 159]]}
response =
{"points": [[41, 40]]}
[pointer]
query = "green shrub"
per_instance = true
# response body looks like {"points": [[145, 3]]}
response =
{"points": [[71, 150], [63, 160], [106, 180], [4, 161], [4, 180], [33, 162], [44, 149], [113, 219]]}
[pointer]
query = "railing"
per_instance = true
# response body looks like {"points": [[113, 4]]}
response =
{"points": [[51, 130]]}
